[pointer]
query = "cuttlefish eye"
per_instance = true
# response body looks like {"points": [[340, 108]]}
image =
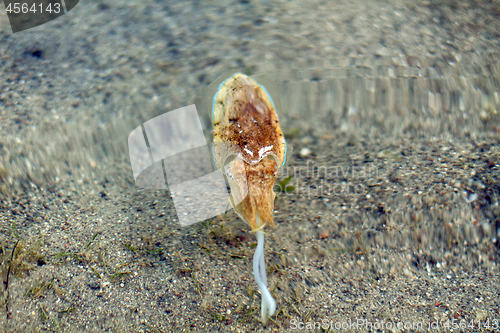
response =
{"points": [[236, 175], [229, 159], [272, 157]]}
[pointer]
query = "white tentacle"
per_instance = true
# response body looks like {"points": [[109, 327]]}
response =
{"points": [[268, 304]]}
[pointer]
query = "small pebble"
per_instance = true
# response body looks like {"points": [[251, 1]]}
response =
{"points": [[481, 315], [305, 152]]}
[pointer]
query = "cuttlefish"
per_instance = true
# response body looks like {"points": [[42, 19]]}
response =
{"points": [[249, 147]]}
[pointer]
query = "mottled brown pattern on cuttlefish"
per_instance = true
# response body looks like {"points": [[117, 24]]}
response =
{"points": [[251, 131], [247, 127], [250, 124]]}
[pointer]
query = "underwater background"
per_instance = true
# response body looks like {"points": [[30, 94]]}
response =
{"points": [[390, 110]]}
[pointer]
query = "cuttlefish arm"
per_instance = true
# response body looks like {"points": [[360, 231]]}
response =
{"points": [[252, 195], [249, 146]]}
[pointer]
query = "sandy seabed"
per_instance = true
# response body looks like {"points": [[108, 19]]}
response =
{"points": [[392, 111]]}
